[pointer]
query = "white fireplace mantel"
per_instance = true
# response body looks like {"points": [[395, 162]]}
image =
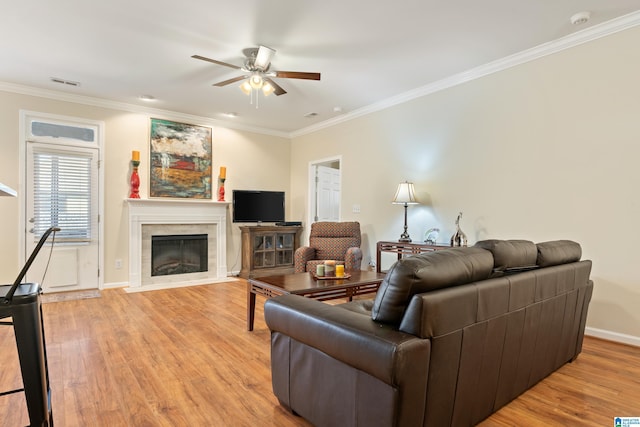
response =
{"points": [[160, 212]]}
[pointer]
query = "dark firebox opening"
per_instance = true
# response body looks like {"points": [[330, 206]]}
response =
{"points": [[179, 254]]}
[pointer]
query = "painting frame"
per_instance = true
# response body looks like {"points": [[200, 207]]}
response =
{"points": [[180, 160]]}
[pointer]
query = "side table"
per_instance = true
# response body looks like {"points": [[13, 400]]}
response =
{"points": [[405, 248]]}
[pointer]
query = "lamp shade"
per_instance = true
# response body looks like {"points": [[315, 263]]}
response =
{"points": [[405, 194]]}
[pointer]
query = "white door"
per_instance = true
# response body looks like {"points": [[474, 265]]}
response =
{"points": [[327, 193], [62, 190]]}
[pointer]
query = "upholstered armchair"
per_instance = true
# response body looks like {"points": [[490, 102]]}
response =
{"points": [[339, 241]]}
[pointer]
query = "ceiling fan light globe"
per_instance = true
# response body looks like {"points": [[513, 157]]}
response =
{"points": [[267, 89], [245, 87], [256, 81]]}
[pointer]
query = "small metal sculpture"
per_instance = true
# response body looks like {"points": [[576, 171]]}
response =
{"points": [[459, 238], [431, 236]]}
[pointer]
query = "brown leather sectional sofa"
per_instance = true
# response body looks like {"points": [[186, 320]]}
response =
{"points": [[450, 338]]}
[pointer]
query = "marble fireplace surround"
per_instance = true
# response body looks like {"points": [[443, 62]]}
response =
{"points": [[164, 217]]}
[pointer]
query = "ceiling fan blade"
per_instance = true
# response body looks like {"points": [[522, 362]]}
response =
{"points": [[297, 75], [263, 57], [228, 82], [278, 90], [213, 61]]}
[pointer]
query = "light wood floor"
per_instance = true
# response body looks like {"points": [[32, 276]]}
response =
{"points": [[183, 357]]}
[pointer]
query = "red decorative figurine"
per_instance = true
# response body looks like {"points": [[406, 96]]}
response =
{"points": [[221, 191], [223, 176], [135, 179]]}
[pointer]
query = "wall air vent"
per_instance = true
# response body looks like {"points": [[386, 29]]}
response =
{"points": [[64, 82]]}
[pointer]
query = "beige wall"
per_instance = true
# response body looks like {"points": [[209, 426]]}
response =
{"points": [[545, 150], [253, 161]]}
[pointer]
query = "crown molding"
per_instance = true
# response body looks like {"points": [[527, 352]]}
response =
{"points": [[567, 42], [132, 108]]}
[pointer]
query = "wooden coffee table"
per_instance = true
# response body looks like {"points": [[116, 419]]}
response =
{"points": [[304, 284]]}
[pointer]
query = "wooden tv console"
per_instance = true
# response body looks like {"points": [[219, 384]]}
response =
{"points": [[268, 249]]}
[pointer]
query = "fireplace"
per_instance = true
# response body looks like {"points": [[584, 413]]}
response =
{"points": [[165, 219], [178, 254]]}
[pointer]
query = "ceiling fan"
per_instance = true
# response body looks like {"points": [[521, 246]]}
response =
{"points": [[257, 72]]}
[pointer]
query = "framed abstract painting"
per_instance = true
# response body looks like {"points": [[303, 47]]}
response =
{"points": [[180, 164]]}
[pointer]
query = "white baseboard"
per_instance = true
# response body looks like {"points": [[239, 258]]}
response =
{"points": [[114, 285], [612, 336], [177, 285]]}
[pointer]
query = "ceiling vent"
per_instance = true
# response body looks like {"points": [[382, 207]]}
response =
{"points": [[64, 82]]}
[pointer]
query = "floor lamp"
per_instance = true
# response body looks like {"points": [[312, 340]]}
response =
{"points": [[405, 195]]}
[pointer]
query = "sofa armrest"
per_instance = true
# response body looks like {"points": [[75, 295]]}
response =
{"points": [[353, 259], [392, 356], [301, 256]]}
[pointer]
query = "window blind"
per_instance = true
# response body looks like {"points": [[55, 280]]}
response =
{"points": [[62, 195]]}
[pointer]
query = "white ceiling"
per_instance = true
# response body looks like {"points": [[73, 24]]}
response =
{"points": [[366, 51]]}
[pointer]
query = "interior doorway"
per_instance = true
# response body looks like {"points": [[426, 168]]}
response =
{"points": [[325, 182]]}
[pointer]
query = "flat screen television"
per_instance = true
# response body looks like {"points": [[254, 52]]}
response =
{"points": [[258, 206]]}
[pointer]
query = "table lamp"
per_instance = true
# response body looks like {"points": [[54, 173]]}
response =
{"points": [[405, 195]]}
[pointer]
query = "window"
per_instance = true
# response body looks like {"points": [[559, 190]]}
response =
{"points": [[55, 131], [62, 194], [42, 129]]}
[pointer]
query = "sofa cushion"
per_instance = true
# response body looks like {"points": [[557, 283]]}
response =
{"points": [[509, 254], [426, 272], [558, 252]]}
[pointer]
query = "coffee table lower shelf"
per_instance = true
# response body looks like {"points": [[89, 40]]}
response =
{"points": [[304, 284]]}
